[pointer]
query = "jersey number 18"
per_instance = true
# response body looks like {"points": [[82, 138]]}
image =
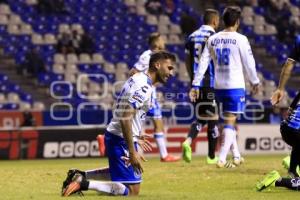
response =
{"points": [[223, 56]]}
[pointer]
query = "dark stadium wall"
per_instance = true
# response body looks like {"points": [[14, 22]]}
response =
{"points": [[47, 143], [15, 118]]}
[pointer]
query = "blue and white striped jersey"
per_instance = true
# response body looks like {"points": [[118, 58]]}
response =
{"points": [[293, 119], [136, 91], [194, 48]]}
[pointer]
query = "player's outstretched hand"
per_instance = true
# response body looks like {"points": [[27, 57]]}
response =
{"points": [[277, 96], [194, 94], [144, 143]]}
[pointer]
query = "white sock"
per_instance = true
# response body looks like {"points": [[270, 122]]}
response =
{"points": [[228, 137], [98, 174], [114, 188], [161, 144], [235, 148]]}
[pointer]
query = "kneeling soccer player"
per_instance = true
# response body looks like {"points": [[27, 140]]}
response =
{"points": [[124, 130]]}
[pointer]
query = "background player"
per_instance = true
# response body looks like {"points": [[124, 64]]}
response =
{"points": [[231, 52], [124, 131], [156, 43], [205, 113]]}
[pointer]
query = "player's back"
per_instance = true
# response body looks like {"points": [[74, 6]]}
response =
{"points": [[227, 50], [195, 46]]}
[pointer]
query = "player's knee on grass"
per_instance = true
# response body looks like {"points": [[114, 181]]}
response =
{"points": [[134, 189]]}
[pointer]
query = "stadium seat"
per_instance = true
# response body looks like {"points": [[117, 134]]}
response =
{"points": [[38, 106], [3, 19], [84, 58], [14, 20], [4, 9], [13, 29], [152, 20], [31, 2], [37, 39], [49, 39], [59, 59], [26, 29], [72, 58]]}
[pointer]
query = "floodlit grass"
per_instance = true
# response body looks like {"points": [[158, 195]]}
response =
{"points": [[41, 179]]}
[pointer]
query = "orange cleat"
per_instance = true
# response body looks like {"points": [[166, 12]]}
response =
{"points": [[101, 144], [74, 186], [170, 158]]}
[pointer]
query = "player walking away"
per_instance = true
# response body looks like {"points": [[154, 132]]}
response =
{"points": [[123, 132], [273, 179], [289, 127], [156, 43], [205, 105], [231, 52]]}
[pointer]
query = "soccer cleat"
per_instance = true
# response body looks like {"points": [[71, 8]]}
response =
{"points": [[268, 181], [212, 161], [74, 186], [238, 161], [71, 173], [170, 158], [101, 144], [227, 164], [186, 152], [286, 162]]}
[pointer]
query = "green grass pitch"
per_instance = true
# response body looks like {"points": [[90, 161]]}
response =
{"points": [[41, 179]]}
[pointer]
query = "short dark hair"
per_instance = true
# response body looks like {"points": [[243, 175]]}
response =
{"points": [[209, 14], [153, 37], [159, 56], [231, 15]]}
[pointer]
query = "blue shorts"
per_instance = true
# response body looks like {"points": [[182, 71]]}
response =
{"points": [[231, 100], [155, 110], [116, 148]]}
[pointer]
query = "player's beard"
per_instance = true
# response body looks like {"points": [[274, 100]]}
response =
{"points": [[161, 78]]}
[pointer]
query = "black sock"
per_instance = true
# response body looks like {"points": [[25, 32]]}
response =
{"points": [[212, 135], [294, 161], [293, 184], [194, 128], [84, 184]]}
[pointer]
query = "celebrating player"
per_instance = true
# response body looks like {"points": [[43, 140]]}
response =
{"points": [[123, 132], [231, 52]]}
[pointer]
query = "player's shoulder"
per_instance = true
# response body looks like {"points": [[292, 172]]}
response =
{"points": [[145, 56], [241, 37], [141, 79]]}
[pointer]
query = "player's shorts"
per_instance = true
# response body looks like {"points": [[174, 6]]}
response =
{"points": [[206, 103], [155, 110], [120, 171], [290, 135], [231, 100]]}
